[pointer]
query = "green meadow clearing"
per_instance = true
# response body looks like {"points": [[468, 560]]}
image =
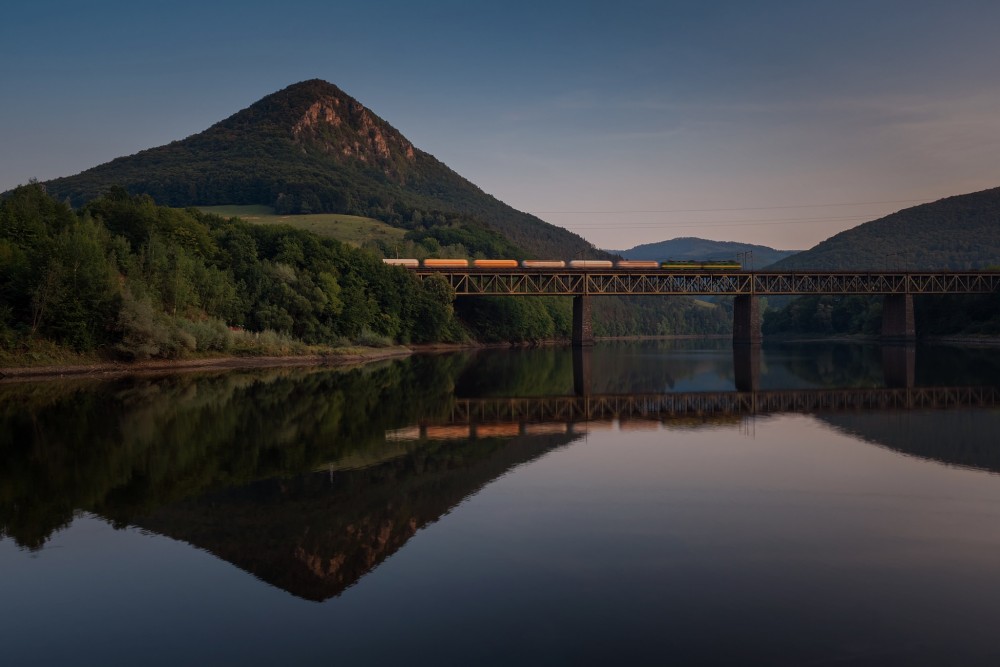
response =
{"points": [[352, 229]]}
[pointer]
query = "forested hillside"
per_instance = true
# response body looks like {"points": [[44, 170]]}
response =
{"points": [[311, 148], [136, 280], [961, 232], [701, 249]]}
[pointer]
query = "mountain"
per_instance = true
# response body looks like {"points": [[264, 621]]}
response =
{"points": [[311, 148], [699, 249], [960, 232]]}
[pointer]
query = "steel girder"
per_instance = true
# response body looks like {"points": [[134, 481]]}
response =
{"points": [[623, 282]]}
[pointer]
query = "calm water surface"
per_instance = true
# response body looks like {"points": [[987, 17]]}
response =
{"points": [[655, 503]]}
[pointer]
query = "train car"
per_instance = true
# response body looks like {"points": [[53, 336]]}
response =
{"points": [[495, 263], [590, 264], [707, 265], [408, 263], [637, 264], [446, 263], [543, 264]]}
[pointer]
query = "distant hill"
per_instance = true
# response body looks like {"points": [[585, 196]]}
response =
{"points": [[695, 248], [961, 232], [311, 148]]}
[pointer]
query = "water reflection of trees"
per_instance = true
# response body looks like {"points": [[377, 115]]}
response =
{"points": [[130, 447], [622, 368], [123, 448], [862, 365]]}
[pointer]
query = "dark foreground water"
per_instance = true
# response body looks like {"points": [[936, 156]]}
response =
{"points": [[629, 506]]}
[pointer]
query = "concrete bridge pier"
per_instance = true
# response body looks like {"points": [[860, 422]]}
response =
{"points": [[746, 320], [897, 318], [583, 332]]}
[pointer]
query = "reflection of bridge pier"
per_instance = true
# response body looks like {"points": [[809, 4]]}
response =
{"points": [[581, 370], [899, 365], [746, 366]]}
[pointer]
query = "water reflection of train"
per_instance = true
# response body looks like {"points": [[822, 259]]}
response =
{"points": [[636, 264], [520, 429]]}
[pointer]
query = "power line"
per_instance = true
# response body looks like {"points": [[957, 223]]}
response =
{"points": [[741, 208], [696, 223]]}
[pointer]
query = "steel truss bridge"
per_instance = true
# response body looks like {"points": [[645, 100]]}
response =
{"points": [[664, 407], [896, 287], [579, 282]]}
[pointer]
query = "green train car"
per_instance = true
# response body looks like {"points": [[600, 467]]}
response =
{"points": [[707, 265]]}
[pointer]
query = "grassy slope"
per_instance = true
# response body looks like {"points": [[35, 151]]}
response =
{"points": [[351, 229]]}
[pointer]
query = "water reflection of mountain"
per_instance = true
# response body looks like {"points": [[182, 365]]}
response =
{"points": [[316, 534], [123, 448], [958, 437]]}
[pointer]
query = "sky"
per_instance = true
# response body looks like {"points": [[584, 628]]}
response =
{"points": [[628, 122]]}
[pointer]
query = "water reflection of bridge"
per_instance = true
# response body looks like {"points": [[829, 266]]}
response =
{"points": [[511, 416]]}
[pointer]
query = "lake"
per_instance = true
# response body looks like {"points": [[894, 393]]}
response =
{"points": [[667, 502]]}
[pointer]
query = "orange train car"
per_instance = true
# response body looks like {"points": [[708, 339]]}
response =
{"points": [[495, 263], [543, 264], [637, 264], [446, 263]]}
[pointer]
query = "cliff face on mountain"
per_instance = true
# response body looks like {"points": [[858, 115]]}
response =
{"points": [[311, 148]]}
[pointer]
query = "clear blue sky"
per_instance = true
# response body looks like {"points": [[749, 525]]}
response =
{"points": [[627, 122]]}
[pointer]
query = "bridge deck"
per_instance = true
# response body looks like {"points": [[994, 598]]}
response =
{"points": [[575, 282]]}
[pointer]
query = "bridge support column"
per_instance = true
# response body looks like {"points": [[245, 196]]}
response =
{"points": [[581, 370], [897, 318], [899, 363], [583, 333], [746, 367], [746, 320]]}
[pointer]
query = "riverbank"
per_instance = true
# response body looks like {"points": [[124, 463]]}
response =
{"points": [[334, 357]]}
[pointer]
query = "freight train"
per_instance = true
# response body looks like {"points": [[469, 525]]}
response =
{"points": [[668, 265]]}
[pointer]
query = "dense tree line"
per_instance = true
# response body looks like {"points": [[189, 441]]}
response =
{"points": [[661, 316], [934, 315], [143, 280]]}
